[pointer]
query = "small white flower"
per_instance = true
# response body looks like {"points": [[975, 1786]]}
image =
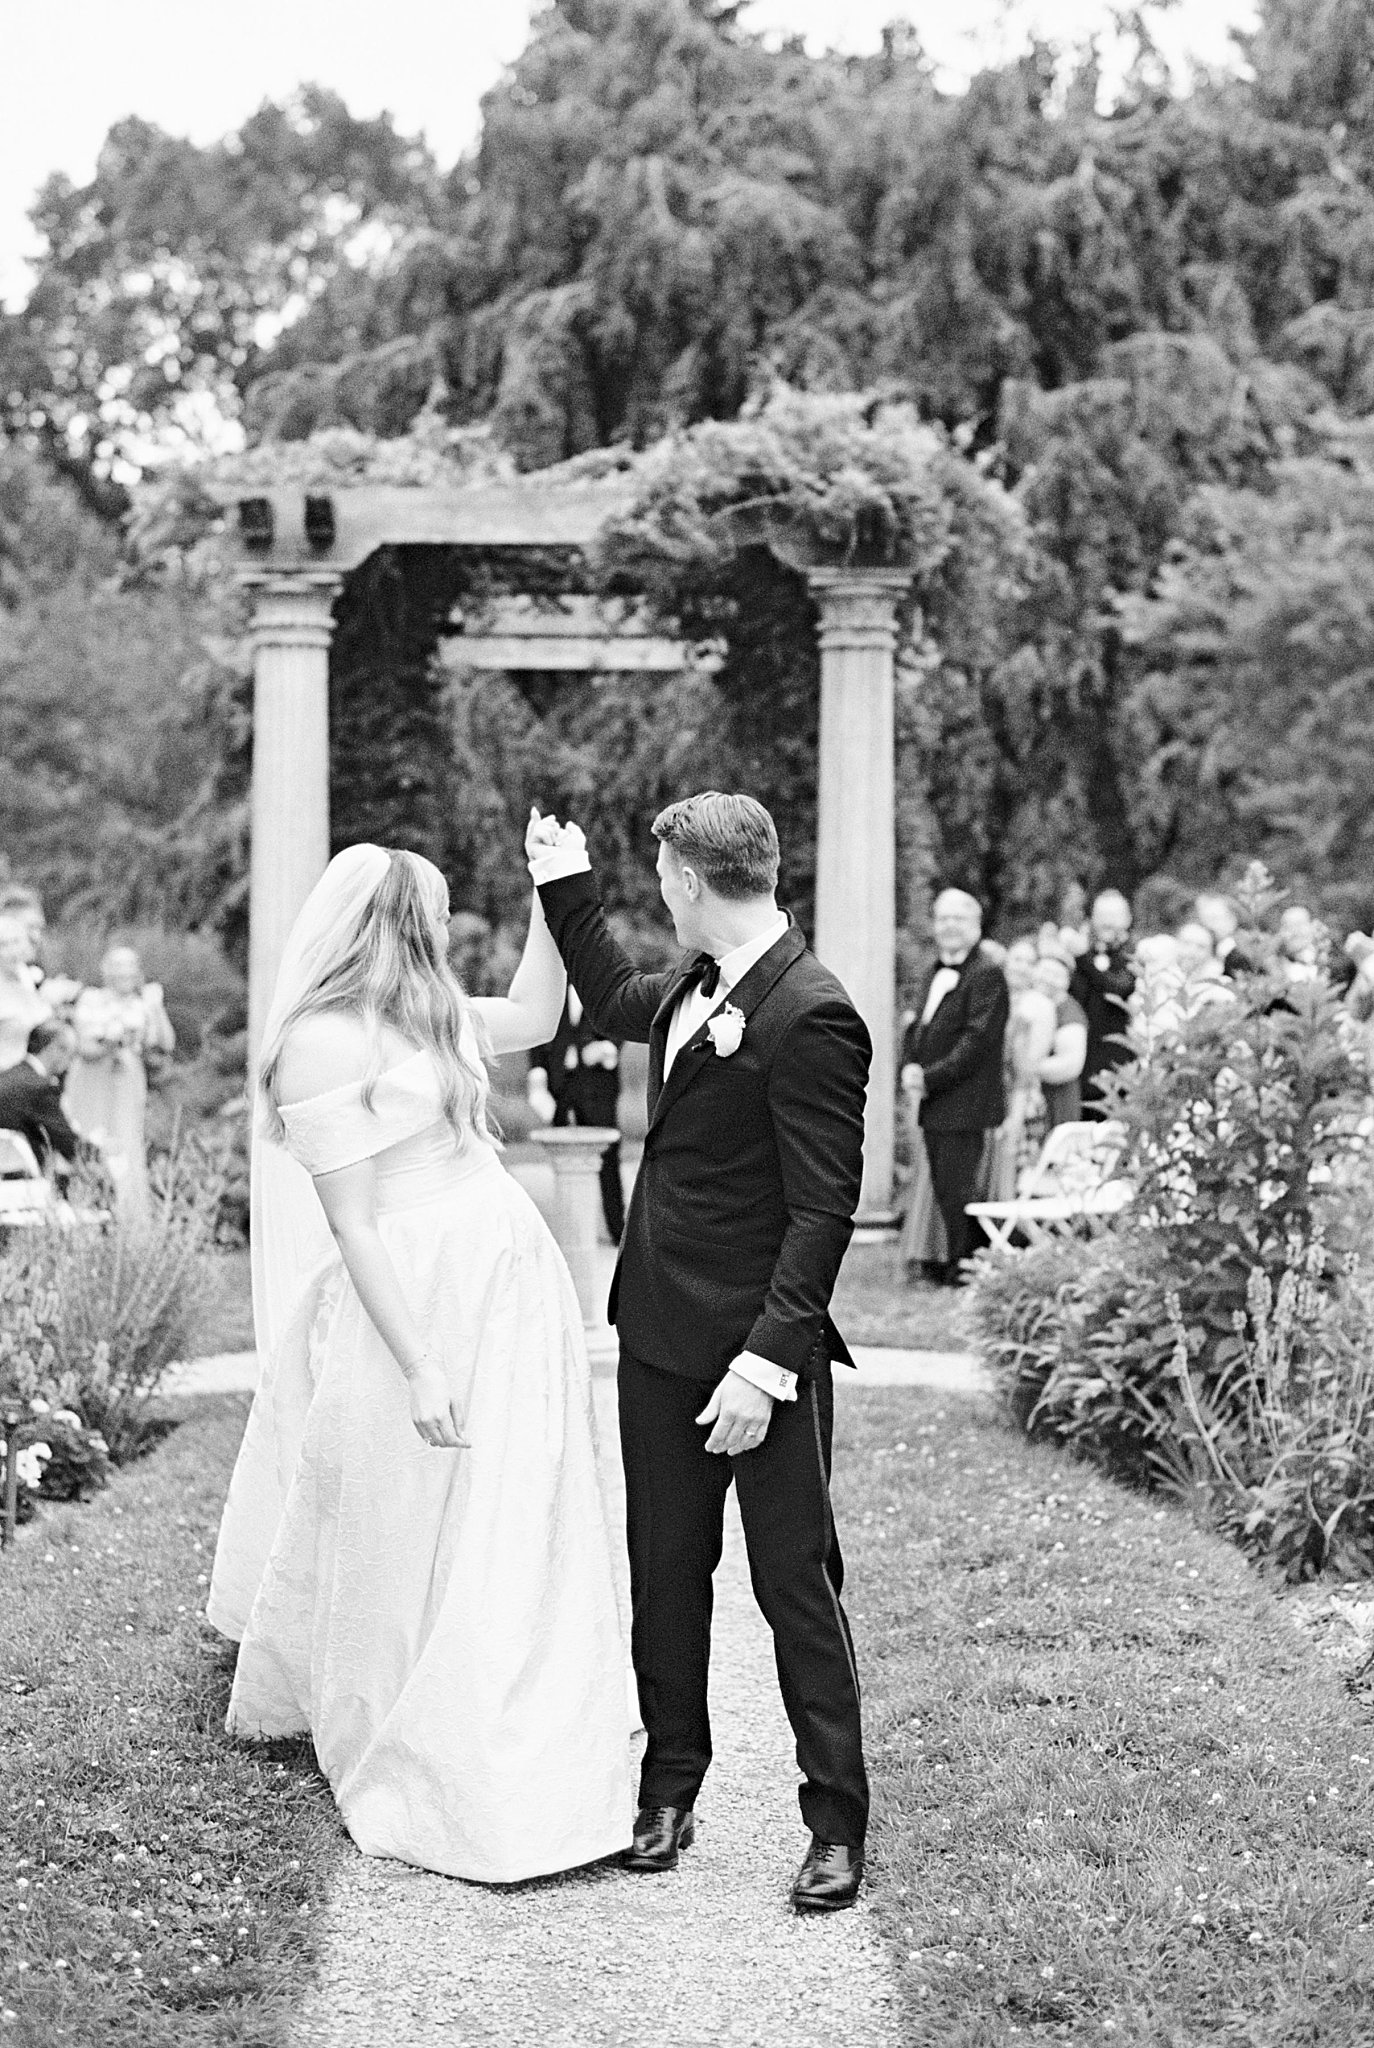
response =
{"points": [[727, 1030]]}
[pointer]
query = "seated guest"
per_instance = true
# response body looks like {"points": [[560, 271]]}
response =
{"points": [[1102, 985], [31, 1099], [952, 1062], [21, 1004], [1060, 1070]]}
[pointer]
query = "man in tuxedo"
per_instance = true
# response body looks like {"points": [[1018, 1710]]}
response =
{"points": [[741, 1213], [575, 1079], [31, 1099], [952, 1061], [1103, 983]]}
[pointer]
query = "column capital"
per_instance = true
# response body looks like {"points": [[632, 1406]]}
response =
{"points": [[859, 606], [292, 607]]}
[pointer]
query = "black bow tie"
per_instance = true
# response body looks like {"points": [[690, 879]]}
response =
{"points": [[706, 973]]}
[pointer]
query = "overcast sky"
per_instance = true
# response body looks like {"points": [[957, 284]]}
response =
{"points": [[72, 67]]}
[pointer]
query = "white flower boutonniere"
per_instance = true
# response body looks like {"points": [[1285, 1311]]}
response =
{"points": [[727, 1030]]}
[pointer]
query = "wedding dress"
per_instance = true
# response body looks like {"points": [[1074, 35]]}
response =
{"points": [[443, 1623]]}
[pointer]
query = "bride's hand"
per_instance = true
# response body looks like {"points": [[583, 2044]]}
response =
{"points": [[432, 1410]]}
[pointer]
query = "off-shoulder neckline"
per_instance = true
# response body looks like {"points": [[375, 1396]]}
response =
{"points": [[343, 1087]]}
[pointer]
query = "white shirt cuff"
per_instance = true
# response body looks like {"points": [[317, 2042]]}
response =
{"points": [[767, 1377], [558, 862]]}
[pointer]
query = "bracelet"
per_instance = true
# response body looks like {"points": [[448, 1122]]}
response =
{"points": [[408, 1372]]}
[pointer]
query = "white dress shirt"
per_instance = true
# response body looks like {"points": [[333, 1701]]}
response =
{"points": [[691, 1013]]}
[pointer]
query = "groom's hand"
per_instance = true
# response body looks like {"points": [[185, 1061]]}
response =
{"points": [[540, 833], [739, 1413]]}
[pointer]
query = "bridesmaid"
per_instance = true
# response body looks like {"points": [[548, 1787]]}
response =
{"points": [[117, 1026]]}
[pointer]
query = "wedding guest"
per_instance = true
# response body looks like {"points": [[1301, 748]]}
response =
{"points": [[1300, 943], [119, 1027], [1060, 1070], [1358, 999], [31, 1098], [575, 1079], [952, 1061], [1029, 1039], [25, 906], [1219, 915], [1102, 985], [21, 1004]]}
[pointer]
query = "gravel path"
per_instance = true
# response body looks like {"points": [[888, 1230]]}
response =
{"points": [[708, 1954]]}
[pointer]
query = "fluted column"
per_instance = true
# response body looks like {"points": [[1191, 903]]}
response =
{"points": [[856, 873], [292, 627]]}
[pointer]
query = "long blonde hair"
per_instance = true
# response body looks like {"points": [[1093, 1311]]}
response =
{"points": [[391, 969]]}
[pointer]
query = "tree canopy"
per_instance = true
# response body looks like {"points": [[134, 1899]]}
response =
{"points": [[1138, 340]]}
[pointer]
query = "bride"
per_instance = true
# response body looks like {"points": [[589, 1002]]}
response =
{"points": [[414, 1555]]}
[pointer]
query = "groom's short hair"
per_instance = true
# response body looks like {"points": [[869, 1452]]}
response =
{"points": [[730, 840]]}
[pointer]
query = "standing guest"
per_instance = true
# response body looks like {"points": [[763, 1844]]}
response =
{"points": [[1203, 976], [21, 1004], [1102, 985], [952, 1061], [1029, 1038], [31, 1098], [575, 1079], [1300, 944], [1060, 1071], [1222, 920], [118, 1026], [25, 906]]}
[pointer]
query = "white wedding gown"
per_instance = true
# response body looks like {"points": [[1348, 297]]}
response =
{"points": [[443, 1623]]}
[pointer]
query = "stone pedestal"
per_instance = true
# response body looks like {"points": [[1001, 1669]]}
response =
{"points": [[291, 630], [856, 879], [575, 1155]]}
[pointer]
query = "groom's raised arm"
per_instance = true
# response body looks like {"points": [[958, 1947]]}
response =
{"points": [[621, 1001]]}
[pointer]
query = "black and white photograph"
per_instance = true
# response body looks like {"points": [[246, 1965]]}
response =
{"points": [[687, 1024]]}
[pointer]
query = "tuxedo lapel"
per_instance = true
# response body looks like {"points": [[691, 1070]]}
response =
{"points": [[745, 997]]}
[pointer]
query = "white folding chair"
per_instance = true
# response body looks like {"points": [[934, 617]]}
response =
{"points": [[1070, 1183], [26, 1194]]}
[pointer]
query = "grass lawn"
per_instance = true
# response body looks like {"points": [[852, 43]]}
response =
{"points": [[160, 1884], [1117, 1796], [876, 1304]]}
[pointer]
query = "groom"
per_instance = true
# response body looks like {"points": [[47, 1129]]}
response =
{"points": [[741, 1213]]}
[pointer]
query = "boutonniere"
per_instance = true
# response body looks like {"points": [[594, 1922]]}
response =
{"points": [[727, 1030]]}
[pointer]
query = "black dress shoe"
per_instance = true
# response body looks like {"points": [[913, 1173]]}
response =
{"points": [[660, 1832], [829, 1877]]}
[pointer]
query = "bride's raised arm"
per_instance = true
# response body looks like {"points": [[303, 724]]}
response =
{"points": [[529, 1014]]}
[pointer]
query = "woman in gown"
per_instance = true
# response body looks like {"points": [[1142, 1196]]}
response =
{"points": [[414, 1554], [118, 1027]]}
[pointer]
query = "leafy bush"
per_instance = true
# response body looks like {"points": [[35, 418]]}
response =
{"points": [[56, 1453], [1219, 1339], [114, 1308]]}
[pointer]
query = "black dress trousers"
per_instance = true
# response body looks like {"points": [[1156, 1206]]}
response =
{"points": [[955, 1157], [675, 1512]]}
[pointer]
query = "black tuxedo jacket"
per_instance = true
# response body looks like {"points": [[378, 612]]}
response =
{"points": [[591, 1093], [744, 1203], [960, 1049]]}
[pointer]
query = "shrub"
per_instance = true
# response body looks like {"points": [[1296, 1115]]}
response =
{"points": [[115, 1307], [56, 1453], [1217, 1339]]}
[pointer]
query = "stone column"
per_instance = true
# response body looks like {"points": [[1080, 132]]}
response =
{"points": [[291, 630], [856, 874], [575, 1155]]}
